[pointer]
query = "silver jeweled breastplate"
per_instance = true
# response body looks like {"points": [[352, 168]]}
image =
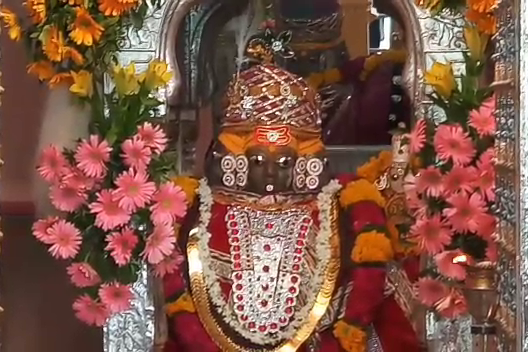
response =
{"points": [[268, 260]]}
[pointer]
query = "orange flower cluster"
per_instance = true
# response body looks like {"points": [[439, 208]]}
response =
{"points": [[351, 338], [480, 12], [372, 247]]}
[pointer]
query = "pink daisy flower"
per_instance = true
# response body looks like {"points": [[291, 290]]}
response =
{"points": [[121, 244], [486, 226], [453, 305], [430, 182], [417, 136], [51, 164], [90, 311], [459, 179], [116, 297], [83, 275], [109, 214], [153, 136], [92, 156], [416, 205], [430, 291], [432, 234], [74, 177], [133, 190], [169, 264], [160, 243], [67, 197], [41, 229], [465, 212], [65, 239], [445, 265], [170, 204], [483, 119], [451, 142], [136, 154], [487, 158], [485, 181]]}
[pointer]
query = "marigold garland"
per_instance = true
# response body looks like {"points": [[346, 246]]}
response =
{"points": [[375, 167], [358, 191], [351, 338], [189, 185], [372, 247], [183, 304], [374, 61]]}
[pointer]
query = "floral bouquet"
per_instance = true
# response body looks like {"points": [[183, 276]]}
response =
{"points": [[117, 207], [452, 194]]}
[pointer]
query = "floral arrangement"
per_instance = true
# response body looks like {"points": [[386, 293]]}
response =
{"points": [[116, 204], [450, 198]]}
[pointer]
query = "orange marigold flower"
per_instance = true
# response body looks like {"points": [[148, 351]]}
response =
{"points": [[350, 337], [86, 30], [74, 2], [53, 44], [116, 7], [485, 22], [183, 304], [37, 10], [11, 22], [60, 79], [371, 247], [482, 6], [42, 69], [73, 54]]}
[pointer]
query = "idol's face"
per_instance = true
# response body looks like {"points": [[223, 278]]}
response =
{"points": [[270, 170]]}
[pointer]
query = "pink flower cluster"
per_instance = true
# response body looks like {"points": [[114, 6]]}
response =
{"points": [[453, 196], [89, 184]]}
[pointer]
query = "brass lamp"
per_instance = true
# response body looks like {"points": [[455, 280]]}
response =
{"points": [[481, 294]]}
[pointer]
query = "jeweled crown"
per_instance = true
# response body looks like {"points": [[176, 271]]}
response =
{"points": [[400, 147], [267, 95]]}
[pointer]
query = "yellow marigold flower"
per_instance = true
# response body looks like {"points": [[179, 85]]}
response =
{"points": [[442, 79], [85, 30], [189, 185], [157, 75], [76, 56], [358, 191], [53, 44], [42, 69], [183, 304], [372, 247], [476, 42], [116, 7], [11, 22], [482, 6], [126, 80], [351, 338], [60, 79], [375, 167], [82, 83], [37, 10]]}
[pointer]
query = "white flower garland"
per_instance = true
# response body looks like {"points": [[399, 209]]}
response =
{"points": [[325, 200]]}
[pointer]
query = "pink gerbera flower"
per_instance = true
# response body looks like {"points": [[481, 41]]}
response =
{"points": [[451, 142], [52, 164], [446, 266], [417, 136], [74, 177], [430, 291], [160, 243], [465, 212], [41, 229], [487, 158], [485, 182], [153, 136], [65, 239], [92, 156], [431, 233], [90, 311], [483, 119], [136, 153], [169, 264], [453, 305], [67, 197], [486, 226], [459, 179], [430, 182], [109, 213], [121, 244], [416, 205], [116, 297], [170, 204], [83, 275], [133, 190]]}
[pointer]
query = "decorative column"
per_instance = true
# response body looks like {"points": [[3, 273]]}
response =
{"points": [[355, 29]]}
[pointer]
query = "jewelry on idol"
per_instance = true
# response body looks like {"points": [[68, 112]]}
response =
{"points": [[242, 167], [269, 188], [299, 179], [228, 166], [312, 182], [314, 167]]}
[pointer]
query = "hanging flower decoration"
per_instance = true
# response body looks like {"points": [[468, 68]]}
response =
{"points": [[451, 196]]}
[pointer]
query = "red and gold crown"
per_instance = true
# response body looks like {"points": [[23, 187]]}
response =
{"points": [[269, 96]]}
